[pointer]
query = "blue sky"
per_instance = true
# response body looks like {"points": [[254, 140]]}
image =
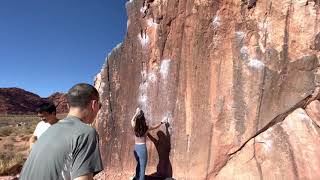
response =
{"points": [[49, 45]]}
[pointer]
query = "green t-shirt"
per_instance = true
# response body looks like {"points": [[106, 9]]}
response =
{"points": [[67, 150]]}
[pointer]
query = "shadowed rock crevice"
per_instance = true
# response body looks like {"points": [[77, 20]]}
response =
{"points": [[280, 118]]}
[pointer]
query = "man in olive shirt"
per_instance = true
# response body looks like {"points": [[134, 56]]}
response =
{"points": [[69, 149]]}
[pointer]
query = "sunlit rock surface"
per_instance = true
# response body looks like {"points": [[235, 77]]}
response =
{"points": [[237, 80]]}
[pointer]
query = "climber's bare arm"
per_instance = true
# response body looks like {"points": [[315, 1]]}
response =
{"points": [[155, 127], [133, 120]]}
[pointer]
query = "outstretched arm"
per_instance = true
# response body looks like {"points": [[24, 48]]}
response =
{"points": [[133, 120], [158, 125], [155, 127]]}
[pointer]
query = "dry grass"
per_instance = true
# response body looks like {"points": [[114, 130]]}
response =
{"points": [[17, 124], [11, 166], [8, 147], [6, 131], [15, 131], [17, 118]]}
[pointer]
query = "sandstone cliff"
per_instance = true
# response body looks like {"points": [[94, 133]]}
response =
{"points": [[237, 79]]}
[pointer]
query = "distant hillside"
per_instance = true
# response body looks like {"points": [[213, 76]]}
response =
{"points": [[60, 100], [20, 101]]}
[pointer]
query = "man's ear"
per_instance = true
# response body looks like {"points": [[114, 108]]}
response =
{"points": [[94, 104]]}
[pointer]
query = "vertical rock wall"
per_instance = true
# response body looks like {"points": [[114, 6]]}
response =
{"points": [[237, 80]]}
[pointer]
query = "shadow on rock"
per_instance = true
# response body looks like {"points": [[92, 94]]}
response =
{"points": [[163, 146]]}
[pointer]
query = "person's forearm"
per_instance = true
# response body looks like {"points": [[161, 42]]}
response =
{"points": [[32, 140], [133, 121], [156, 127], [133, 117]]}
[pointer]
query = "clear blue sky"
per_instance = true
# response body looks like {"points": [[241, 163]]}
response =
{"points": [[49, 45]]}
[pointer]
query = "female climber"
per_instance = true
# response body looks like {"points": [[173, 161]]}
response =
{"points": [[141, 130]]}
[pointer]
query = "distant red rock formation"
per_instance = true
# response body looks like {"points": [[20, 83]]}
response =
{"points": [[20, 101], [60, 100]]}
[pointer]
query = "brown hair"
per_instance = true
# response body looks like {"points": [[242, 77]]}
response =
{"points": [[140, 127]]}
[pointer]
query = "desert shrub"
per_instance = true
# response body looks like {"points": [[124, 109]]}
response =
{"points": [[6, 155], [11, 166], [22, 148], [25, 137], [8, 147], [6, 131]]}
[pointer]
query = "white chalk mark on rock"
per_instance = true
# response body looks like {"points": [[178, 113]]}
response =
{"points": [[151, 23], [143, 9], [143, 99], [267, 145], [240, 35], [152, 77], [216, 21], [165, 67], [144, 39], [114, 49], [244, 52], [255, 63]]}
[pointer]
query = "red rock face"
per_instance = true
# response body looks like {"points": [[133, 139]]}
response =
{"points": [[19, 101], [60, 100], [237, 81]]}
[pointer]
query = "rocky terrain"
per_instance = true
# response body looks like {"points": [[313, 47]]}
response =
{"points": [[238, 81]]}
